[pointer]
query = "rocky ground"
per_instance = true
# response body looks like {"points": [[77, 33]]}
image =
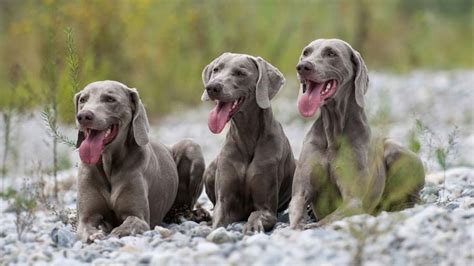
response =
{"points": [[439, 231]]}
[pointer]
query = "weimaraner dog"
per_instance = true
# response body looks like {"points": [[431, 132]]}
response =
{"points": [[342, 169], [251, 178], [126, 183]]}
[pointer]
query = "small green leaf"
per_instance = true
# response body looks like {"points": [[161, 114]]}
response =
{"points": [[441, 157]]}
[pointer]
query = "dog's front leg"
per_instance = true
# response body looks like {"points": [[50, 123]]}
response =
{"points": [[228, 192], [227, 209], [263, 186], [89, 228], [309, 173], [299, 198], [352, 180], [91, 207], [132, 207]]}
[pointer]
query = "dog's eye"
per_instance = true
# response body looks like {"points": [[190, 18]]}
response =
{"points": [[306, 52], [331, 53], [239, 73], [109, 99], [82, 100], [215, 70]]}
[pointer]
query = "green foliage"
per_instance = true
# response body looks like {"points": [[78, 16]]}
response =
{"points": [[72, 60], [161, 47], [440, 148], [23, 203], [54, 130], [441, 155], [18, 199], [414, 143]]}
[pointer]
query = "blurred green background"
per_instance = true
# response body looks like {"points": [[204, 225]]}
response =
{"points": [[160, 47]]}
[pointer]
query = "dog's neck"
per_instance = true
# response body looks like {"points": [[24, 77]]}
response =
{"points": [[250, 125], [342, 120], [114, 156]]}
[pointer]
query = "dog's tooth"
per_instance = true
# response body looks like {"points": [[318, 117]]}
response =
{"points": [[328, 86]]}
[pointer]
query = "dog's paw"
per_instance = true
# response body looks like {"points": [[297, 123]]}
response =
{"points": [[260, 221], [201, 215], [312, 226], [297, 226], [128, 230], [131, 226], [96, 236], [253, 226], [121, 231]]}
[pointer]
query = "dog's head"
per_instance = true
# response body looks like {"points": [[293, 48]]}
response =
{"points": [[108, 113], [233, 81], [325, 67]]}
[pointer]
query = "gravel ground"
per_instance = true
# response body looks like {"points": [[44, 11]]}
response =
{"points": [[440, 231]]}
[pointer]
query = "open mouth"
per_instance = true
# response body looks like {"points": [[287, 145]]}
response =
{"points": [[222, 113], [314, 94], [94, 142]]}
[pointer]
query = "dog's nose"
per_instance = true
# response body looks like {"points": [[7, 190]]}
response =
{"points": [[304, 67], [214, 88], [85, 116]]}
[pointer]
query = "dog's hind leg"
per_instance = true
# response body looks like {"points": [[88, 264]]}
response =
{"points": [[405, 177], [210, 181], [190, 164]]}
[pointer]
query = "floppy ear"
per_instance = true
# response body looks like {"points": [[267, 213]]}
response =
{"points": [[80, 134], [361, 80], [269, 82], [140, 125], [206, 76]]}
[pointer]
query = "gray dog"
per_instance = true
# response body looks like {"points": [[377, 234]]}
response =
{"points": [[342, 170], [126, 183], [250, 180]]}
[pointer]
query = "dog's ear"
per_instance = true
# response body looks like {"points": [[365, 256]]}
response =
{"points": [[361, 80], [140, 125], [269, 82], [80, 138], [80, 134], [76, 102], [206, 76]]}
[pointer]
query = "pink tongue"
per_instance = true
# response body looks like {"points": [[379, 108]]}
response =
{"points": [[218, 117], [308, 102], [91, 148]]}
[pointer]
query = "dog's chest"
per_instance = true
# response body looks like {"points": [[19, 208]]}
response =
{"points": [[110, 192]]}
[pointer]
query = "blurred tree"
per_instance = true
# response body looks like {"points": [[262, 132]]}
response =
{"points": [[362, 25], [161, 47], [14, 101], [51, 81]]}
